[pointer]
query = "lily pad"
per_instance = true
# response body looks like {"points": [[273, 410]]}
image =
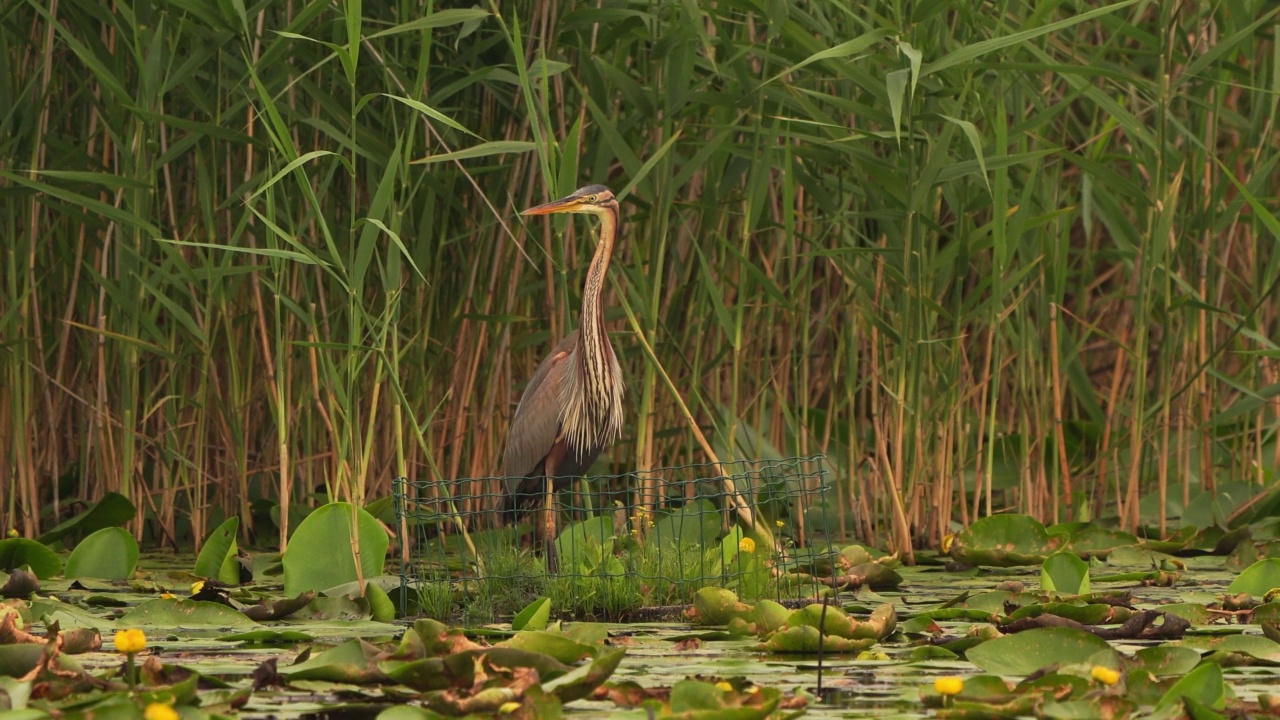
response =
{"points": [[1203, 686], [557, 646], [353, 661], [1027, 652], [534, 616], [217, 559], [1258, 578], [279, 609], [807, 639], [321, 552], [113, 510], [696, 523], [185, 614], [1005, 541], [110, 553], [1064, 573], [17, 552]]}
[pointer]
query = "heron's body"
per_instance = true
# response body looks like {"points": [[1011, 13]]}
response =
{"points": [[572, 408]]}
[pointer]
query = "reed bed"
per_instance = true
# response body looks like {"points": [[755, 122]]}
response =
{"points": [[985, 257]]}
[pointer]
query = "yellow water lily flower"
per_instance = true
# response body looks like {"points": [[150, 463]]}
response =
{"points": [[1105, 675], [723, 686], [747, 545], [160, 711], [948, 685], [131, 641], [197, 586]]}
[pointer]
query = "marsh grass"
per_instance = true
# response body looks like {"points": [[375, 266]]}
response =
{"points": [[1012, 257]]}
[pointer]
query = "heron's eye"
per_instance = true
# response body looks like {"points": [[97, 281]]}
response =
{"points": [[593, 198]]}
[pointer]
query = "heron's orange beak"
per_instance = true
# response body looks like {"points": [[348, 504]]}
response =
{"points": [[566, 204]]}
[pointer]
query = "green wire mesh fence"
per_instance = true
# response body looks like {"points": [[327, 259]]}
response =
{"points": [[643, 539]]}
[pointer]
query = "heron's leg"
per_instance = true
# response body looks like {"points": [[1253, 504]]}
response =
{"points": [[549, 524]]}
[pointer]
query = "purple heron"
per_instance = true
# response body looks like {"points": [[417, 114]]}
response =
{"points": [[572, 407]]}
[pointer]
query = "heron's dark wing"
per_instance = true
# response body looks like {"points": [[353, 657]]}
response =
{"points": [[537, 420]]}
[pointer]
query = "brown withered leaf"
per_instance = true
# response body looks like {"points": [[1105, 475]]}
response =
{"points": [[629, 694]]}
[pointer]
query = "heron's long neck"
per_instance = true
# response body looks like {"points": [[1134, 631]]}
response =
{"points": [[596, 352]]}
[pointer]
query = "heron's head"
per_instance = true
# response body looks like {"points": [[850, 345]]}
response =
{"points": [[593, 199]]}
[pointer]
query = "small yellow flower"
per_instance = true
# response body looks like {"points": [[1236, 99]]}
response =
{"points": [[13, 533], [131, 641], [723, 686], [780, 523], [948, 685], [946, 543], [747, 545], [160, 711], [197, 586], [509, 707], [1105, 675]]}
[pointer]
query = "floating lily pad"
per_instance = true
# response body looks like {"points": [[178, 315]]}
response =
{"points": [[321, 552], [17, 552], [279, 609], [110, 554], [559, 647], [113, 510], [1203, 686], [534, 616], [217, 559], [1005, 541], [1258, 578], [1064, 573], [351, 662], [185, 614], [1027, 652]]}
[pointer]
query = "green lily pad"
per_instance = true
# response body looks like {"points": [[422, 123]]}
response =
{"points": [[834, 621], [1203, 686], [321, 555], [113, 510], [185, 614], [217, 559], [557, 646], [353, 661], [269, 637], [717, 606], [534, 616], [1005, 541], [1258, 578], [110, 553], [582, 681], [699, 700], [807, 639], [1166, 660], [1254, 646], [17, 552], [696, 523], [1027, 652], [1064, 573], [1095, 541]]}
